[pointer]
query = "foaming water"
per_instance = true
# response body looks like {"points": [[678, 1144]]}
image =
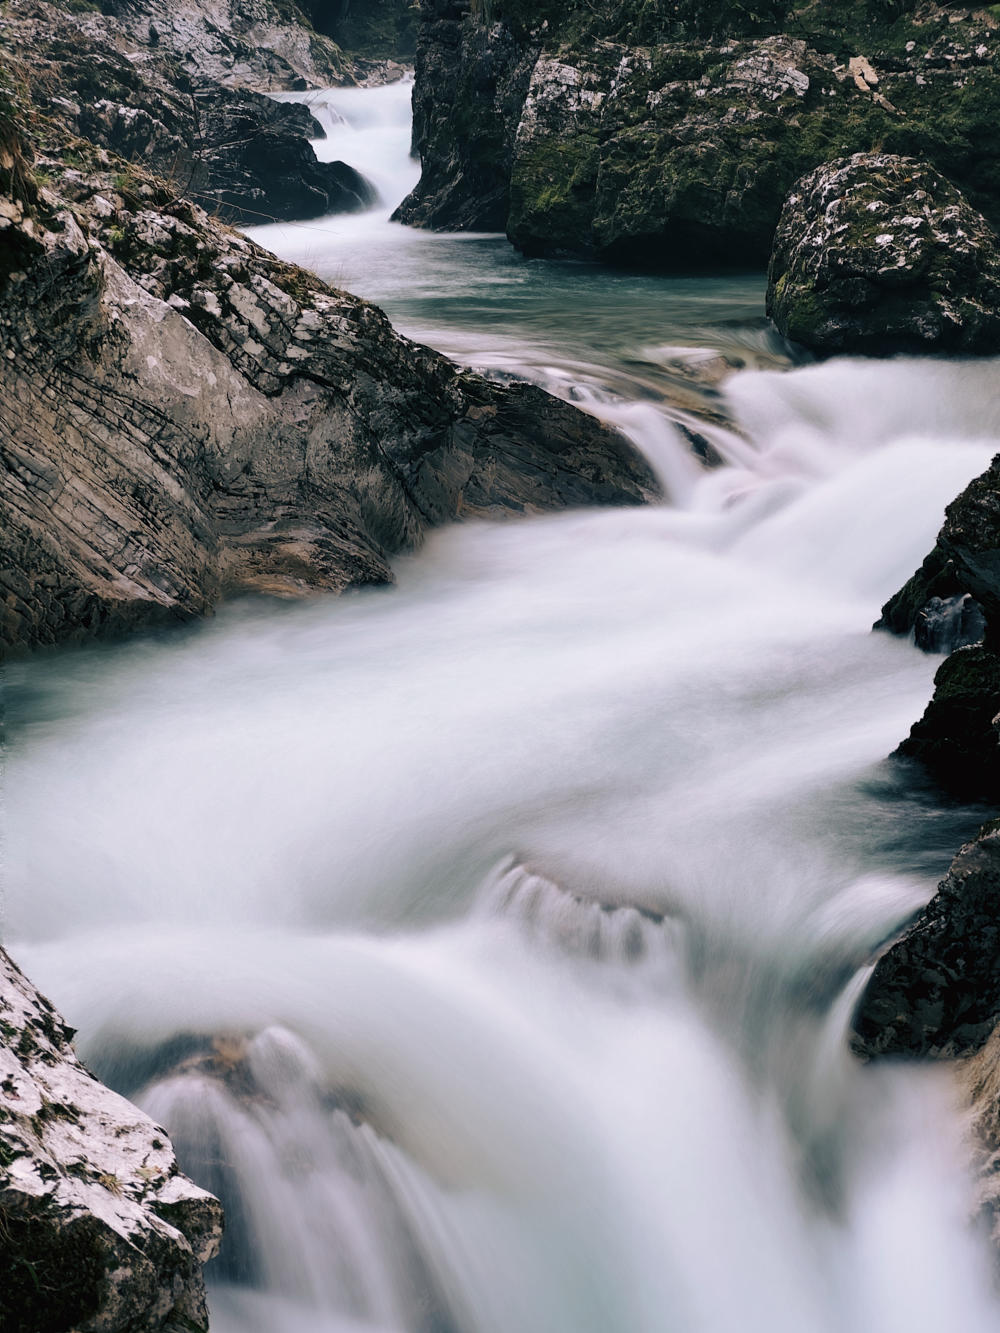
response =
{"points": [[587, 334], [490, 943]]}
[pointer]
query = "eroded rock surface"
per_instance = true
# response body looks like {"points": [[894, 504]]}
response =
{"points": [[235, 151], [183, 417], [669, 134], [100, 1231], [880, 254]]}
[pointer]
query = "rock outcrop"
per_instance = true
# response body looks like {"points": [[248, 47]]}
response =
{"points": [[259, 44], [99, 1232], [183, 417], [958, 587], [876, 254], [937, 992], [670, 134], [238, 152]]}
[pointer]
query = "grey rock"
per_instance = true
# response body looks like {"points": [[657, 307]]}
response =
{"points": [[101, 1233], [880, 254], [238, 152], [182, 417], [254, 44], [937, 992]]}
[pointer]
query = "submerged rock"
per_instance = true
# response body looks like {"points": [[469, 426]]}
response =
{"points": [[880, 254], [99, 1232]]}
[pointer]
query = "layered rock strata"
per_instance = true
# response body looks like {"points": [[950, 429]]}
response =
{"points": [[182, 417], [100, 1232]]}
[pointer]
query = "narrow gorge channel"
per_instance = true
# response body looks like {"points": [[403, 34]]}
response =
{"points": [[496, 962]]}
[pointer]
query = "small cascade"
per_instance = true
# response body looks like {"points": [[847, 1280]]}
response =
{"points": [[313, 1216], [616, 935], [369, 129]]}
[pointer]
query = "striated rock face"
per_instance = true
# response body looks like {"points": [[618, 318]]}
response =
{"points": [[183, 417], [880, 254], [669, 134], [100, 1232]]}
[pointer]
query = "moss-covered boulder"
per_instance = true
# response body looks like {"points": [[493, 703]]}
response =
{"points": [[878, 254]]}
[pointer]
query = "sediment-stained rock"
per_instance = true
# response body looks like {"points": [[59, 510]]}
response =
{"points": [[100, 1231]]}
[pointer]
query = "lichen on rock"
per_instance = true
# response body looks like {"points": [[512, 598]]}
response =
{"points": [[880, 254], [99, 1232]]}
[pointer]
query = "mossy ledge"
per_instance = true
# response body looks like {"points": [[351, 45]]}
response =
{"points": [[668, 134]]}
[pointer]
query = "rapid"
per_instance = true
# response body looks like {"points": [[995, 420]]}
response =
{"points": [[489, 943]]}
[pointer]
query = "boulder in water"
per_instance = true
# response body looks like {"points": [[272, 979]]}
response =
{"points": [[879, 254], [99, 1232], [937, 991]]}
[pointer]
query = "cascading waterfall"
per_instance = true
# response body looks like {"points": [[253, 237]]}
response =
{"points": [[490, 943]]}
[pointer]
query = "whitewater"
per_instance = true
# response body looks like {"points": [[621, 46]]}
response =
{"points": [[490, 943]]}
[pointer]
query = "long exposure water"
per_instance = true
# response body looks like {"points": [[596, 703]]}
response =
{"points": [[489, 943]]}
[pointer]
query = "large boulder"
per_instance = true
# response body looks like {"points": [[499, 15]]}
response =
{"points": [[880, 254], [185, 417], [99, 1232]]}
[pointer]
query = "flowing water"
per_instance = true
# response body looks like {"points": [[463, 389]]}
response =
{"points": [[489, 944]]}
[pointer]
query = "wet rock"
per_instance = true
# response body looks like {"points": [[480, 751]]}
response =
{"points": [[238, 152], [946, 623], [471, 82], [937, 992], [184, 417], [957, 740], [880, 254], [100, 1231], [254, 162]]}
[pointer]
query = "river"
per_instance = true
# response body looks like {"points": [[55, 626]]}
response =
{"points": [[489, 943]]}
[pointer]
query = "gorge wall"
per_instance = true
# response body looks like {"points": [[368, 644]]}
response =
{"points": [[669, 134]]}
